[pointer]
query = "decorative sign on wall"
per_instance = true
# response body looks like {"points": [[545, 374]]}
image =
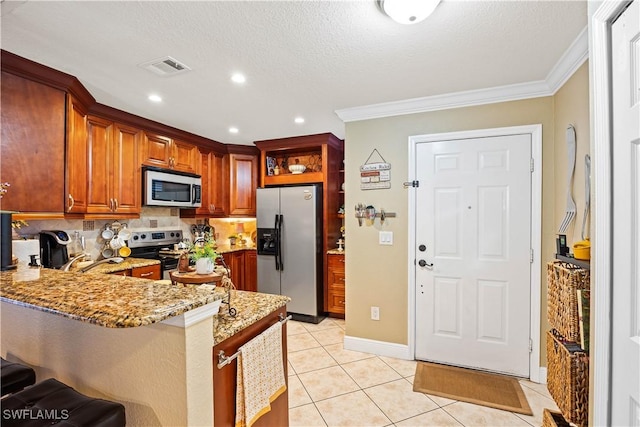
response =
{"points": [[375, 175]]}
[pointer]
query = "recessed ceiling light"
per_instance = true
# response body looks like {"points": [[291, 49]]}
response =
{"points": [[408, 11], [233, 130], [238, 78], [299, 120], [155, 98]]}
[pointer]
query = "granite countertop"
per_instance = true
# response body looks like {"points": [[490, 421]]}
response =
{"points": [[250, 307], [127, 264], [224, 249], [102, 299]]}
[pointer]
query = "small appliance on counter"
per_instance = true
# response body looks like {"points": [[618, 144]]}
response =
{"points": [[53, 248]]}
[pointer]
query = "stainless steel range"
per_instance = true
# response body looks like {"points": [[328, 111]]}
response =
{"points": [[157, 244]]}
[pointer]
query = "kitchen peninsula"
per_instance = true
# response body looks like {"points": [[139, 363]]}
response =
{"points": [[143, 343]]}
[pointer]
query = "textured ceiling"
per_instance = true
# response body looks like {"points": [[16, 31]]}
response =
{"points": [[301, 58]]}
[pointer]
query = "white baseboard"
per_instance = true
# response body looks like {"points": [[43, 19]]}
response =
{"points": [[379, 348]]}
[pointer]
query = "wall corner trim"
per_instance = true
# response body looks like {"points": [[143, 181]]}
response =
{"points": [[194, 316]]}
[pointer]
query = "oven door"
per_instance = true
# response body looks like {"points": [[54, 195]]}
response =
{"points": [[168, 264]]}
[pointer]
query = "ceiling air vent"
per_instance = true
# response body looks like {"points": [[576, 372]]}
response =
{"points": [[166, 66]]}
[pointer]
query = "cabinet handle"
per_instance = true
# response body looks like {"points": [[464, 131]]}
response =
{"points": [[342, 260], [146, 274], [111, 205], [115, 203], [73, 202], [342, 279]]}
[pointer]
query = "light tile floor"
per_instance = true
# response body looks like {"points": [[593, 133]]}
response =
{"points": [[331, 386]]}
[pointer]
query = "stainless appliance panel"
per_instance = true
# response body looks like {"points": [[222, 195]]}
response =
{"points": [[268, 203], [295, 269], [299, 248]]}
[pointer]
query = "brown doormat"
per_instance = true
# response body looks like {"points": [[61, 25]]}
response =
{"points": [[467, 385]]}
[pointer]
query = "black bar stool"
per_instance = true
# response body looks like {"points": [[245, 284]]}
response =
{"points": [[51, 402], [15, 377]]}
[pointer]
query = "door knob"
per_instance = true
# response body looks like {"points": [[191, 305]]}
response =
{"points": [[423, 263]]}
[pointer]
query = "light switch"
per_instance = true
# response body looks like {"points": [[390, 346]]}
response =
{"points": [[385, 237]]}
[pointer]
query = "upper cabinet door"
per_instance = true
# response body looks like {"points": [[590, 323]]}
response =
{"points": [[100, 166], [243, 175], [32, 149], [77, 155], [168, 153], [156, 151], [185, 156], [126, 171]]}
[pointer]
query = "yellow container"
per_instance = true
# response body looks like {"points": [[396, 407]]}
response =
{"points": [[582, 250]]}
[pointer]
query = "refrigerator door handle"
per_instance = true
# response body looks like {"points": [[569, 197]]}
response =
{"points": [[280, 257], [277, 225]]}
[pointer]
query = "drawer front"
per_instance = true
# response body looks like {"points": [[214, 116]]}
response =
{"points": [[149, 272], [337, 302], [336, 262], [336, 279]]}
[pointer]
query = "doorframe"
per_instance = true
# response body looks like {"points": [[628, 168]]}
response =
{"points": [[601, 272], [535, 131]]}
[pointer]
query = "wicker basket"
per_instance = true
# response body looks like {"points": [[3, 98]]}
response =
{"points": [[563, 280], [568, 378], [553, 419]]}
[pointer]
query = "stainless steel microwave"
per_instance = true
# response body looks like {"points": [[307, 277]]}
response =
{"points": [[169, 188]]}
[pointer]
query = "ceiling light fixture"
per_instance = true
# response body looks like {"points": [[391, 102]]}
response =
{"points": [[299, 120], [238, 78], [408, 11], [155, 98], [233, 130]]}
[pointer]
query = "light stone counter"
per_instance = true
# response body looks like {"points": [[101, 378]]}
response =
{"points": [[102, 299], [250, 306]]}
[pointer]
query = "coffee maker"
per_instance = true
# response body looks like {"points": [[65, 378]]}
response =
{"points": [[53, 248]]}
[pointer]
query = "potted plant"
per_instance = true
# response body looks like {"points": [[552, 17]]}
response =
{"points": [[203, 253]]}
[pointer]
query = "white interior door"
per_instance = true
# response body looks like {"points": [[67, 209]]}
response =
{"points": [[473, 217], [625, 353]]}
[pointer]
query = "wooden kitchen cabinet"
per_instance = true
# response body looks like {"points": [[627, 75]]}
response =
{"points": [[32, 149], [251, 270], [224, 378], [215, 193], [113, 168], [243, 180], [76, 171], [336, 301], [244, 268], [235, 262], [151, 272], [167, 153]]}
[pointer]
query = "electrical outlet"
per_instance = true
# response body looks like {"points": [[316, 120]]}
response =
{"points": [[385, 237], [375, 313]]}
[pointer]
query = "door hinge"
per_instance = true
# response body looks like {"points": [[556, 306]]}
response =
{"points": [[531, 164], [413, 184], [530, 345], [530, 255]]}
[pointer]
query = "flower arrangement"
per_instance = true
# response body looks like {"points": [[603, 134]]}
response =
{"points": [[204, 249]]}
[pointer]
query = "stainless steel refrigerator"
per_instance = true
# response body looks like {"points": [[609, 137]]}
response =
{"points": [[289, 239]]}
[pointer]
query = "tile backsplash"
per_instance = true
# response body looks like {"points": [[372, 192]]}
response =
{"points": [[150, 218]]}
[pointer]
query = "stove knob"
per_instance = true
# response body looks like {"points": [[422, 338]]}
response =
{"points": [[143, 236], [173, 234], [135, 237], [178, 235]]}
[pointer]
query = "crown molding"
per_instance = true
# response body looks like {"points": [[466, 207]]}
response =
{"points": [[570, 61]]}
